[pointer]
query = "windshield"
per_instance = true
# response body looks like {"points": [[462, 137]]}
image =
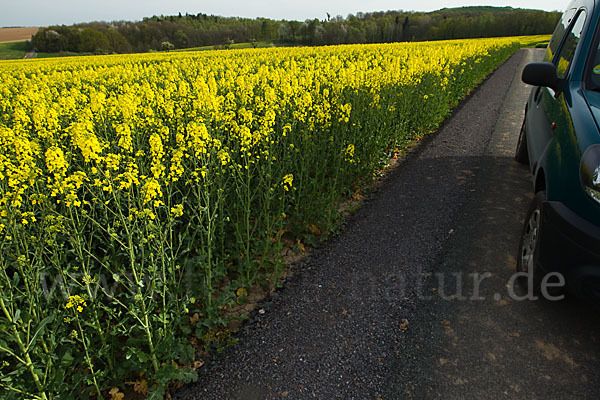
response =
{"points": [[594, 69], [593, 66]]}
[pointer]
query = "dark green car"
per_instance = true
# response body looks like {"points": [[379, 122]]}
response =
{"points": [[560, 140]]}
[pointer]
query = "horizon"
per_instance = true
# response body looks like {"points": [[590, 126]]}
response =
{"points": [[69, 12]]}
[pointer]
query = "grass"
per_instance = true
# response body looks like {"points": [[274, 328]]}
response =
{"points": [[18, 50], [59, 54], [536, 41], [542, 45], [247, 45], [13, 50]]}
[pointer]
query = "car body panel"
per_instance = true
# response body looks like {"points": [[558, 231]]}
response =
{"points": [[569, 244], [555, 149], [560, 125], [593, 101], [537, 119]]}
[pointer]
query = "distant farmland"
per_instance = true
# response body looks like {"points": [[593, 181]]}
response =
{"points": [[16, 34]]}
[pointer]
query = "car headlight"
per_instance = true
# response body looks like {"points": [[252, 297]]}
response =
{"points": [[589, 171]]}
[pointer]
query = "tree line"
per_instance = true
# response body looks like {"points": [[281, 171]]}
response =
{"points": [[184, 31]]}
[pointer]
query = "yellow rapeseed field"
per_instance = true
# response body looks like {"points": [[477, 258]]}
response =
{"points": [[140, 193]]}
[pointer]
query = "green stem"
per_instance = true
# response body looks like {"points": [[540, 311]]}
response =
{"points": [[29, 395], [87, 276], [146, 324], [89, 360], [149, 334], [247, 250], [28, 363]]}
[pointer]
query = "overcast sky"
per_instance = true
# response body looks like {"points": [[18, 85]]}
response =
{"points": [[56, 12]]}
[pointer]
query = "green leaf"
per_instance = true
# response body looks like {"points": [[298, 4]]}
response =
{"points": [[67, 359], [143, 357], [39, 331], [156, 393], [16, 317]]}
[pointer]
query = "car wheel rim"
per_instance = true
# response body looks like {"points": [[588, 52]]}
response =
{"points": [[530, 237]]}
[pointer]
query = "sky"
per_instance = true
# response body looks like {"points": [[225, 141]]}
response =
{"points": [[67, 12]]}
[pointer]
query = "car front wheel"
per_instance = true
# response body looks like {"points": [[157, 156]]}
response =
{"points": [[529, 243]]}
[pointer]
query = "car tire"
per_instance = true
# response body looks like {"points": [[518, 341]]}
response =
{"points": [[521, 154], [529, 245]]}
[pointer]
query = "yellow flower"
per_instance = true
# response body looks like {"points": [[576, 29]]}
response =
{"points": [[124, 134], [177, 211], [55, 161], [350, 151], [146, 212], [157, 152], [287, 182], [176, 169], [76, 301], [151, 190], [223, 157], [112, 161], [85, 139]]}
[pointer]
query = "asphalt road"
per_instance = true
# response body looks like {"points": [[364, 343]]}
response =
{"points": [[392, 309]]}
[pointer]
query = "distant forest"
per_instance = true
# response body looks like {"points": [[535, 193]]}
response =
{"points": [[184, 31]]}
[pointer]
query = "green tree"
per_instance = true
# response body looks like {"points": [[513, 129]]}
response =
{"points": [[166, 46], [181, 39], [117, 42], [93, 41]]}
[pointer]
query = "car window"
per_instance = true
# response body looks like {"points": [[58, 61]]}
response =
{"points": [[568, 49], [558, 34], [593, 66]]}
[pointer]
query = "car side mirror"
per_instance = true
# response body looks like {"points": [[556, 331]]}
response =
{"points": [[541, 74]]}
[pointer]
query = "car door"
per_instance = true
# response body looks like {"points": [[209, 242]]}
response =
{"points": [[548, 115]]}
